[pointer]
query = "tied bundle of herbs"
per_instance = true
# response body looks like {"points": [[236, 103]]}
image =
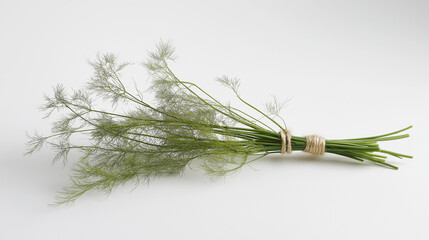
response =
{"points": [[182, 123]]}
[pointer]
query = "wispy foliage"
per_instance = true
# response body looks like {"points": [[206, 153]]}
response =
{"points": [[183, 123]]}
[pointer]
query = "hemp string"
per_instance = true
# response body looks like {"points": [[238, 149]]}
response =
{"points": [[314, 144], [286, 141]]}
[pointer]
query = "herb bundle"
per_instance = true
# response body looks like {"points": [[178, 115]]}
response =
{"points": [[183, 123]]}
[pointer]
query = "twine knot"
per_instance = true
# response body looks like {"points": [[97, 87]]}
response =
{"points": [[286, 141]]}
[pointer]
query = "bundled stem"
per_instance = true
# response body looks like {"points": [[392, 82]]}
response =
{"points": [[184, 123]]}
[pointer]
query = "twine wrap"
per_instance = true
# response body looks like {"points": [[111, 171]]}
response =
{"points": [[286, 141], [315, 145]]}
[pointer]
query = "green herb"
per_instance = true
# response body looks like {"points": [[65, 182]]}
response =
{"points": [[183, 123]]}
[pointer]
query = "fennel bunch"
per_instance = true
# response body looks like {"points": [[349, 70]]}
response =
{"points": [[161, 137]]}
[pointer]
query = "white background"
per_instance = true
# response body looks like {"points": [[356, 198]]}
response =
{"points": [[351, 68]]}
